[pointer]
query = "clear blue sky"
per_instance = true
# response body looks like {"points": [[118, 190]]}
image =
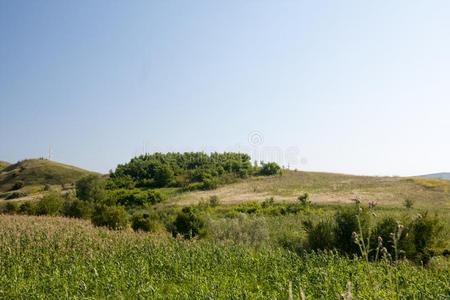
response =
{"points": [[358, 87]]}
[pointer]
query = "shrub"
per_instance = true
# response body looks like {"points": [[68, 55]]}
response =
{"points": [[210, 184], [18, 185], [267, 202], [321, 236], [408, 203], [146, 221], [78, 209], [244, 229], [347, 222], [11, 207], [27, 208], [91, 188], [15, 195], [154, 197], [423, 234], [214, 201], [113, 217], [290, 208], [188, 224], [268, 169], [292, 241], [385, 230], [136, 197], [51, 204], [303, 199], [249, 208], [124, 182], [194, 186]]}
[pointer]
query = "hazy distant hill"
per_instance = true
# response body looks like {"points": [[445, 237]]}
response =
{"points": [[37, 172], [445, 176]]}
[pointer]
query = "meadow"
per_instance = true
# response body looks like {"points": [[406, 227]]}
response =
{"points": [[55, 257], [222, 231]]}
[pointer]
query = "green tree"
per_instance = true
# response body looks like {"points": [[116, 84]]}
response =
{"points": [[268, 169], [113, 217], [188, 224], [51, 204], [91, 188]]}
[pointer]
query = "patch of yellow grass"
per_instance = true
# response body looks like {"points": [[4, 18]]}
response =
{"points": [[432, 183]]}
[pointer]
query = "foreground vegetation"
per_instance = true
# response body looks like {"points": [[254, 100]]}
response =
{"points": [[136, 234], [48, 257]]}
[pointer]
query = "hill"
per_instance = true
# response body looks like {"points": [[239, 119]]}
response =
{"points": [[31, 175], [445, 176], [329, 188], [3, 164]]}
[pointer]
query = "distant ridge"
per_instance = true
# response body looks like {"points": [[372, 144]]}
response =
{"points": [[444, 175]]}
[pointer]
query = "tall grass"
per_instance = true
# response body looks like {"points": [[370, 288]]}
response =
{"points": [[51, 257]]}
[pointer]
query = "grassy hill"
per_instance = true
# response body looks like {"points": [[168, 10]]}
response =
{"points": [[330, 188], [35, 174], [3, 164]]}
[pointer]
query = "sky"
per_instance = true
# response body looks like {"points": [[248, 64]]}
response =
{"points": [[359, 87]]}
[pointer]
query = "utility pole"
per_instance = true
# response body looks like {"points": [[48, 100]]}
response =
{"points": [[49, 152]]}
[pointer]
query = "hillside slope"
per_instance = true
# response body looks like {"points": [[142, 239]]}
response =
{"points": [[3, 164], [445, 176], [35, 173], [330, 188]]}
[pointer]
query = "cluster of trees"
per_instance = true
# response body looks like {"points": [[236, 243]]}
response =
{"points": [[127, 195], [190, 170], [97, 189]]}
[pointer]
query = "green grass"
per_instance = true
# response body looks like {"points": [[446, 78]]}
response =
{"points": [[44, 257]]}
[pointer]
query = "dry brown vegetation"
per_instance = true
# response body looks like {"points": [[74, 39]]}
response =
{"points": [[329, 188]]}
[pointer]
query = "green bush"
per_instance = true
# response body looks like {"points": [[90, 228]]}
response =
{"points": [[18, 185], [290, 208], [187, 224], [408, 203], [292, 241], [113, 217], [184, 169], [268, 202], [243, 229], [124, 182], [347, 222], [146, 221], [423, 234], [28, 208], [78, 209], [268, 169], [214, 201], [15, 195], [303, 199], [91, 188], [136, 197], [51, 204], [321, 236], [194, 186], [249, 208], [385, 230], [11, 207]]}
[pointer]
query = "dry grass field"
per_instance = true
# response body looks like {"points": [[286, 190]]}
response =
{"points": [[330, 188]]}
